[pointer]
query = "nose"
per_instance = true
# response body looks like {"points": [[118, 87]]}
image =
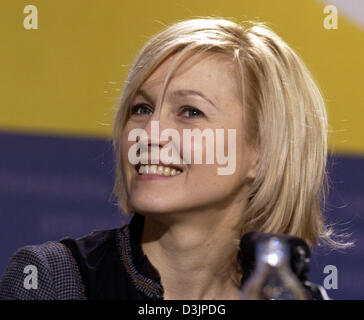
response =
{"points": [[156, 124]]}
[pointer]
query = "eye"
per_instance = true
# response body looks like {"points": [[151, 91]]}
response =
{"points": [[191, 112], [141, 109]]}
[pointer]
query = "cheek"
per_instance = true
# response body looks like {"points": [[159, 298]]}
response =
{"points": [[204, 187], [126, 166], [125, 147], [193, 151], [201, 150], [125, 144]]}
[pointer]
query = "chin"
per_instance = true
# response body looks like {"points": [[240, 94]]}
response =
{"points": [[152, 206]]}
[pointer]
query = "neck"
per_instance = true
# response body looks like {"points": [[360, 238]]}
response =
{"points": [[195, 253]]}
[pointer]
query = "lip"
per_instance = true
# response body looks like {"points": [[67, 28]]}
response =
{"points": [[144, 177]]}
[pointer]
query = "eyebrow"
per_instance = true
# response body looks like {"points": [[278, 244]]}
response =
{"points": [[177, 94]]}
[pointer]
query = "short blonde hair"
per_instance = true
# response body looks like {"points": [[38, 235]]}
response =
{"points": [[285, 117]]}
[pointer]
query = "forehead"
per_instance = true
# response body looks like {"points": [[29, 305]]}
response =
{"points": [[212, 74]]}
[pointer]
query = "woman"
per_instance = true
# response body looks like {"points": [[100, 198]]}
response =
{"points": [[183, 239]]}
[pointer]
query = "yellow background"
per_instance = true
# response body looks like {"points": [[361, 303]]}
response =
{"points": [[66, 77]]}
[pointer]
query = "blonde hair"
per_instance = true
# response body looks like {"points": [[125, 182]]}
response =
{"points": [[285, 117]]}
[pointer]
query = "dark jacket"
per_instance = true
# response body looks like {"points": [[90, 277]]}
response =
{"points": [[108, 264]]}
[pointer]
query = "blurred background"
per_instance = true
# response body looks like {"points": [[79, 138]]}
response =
{"points": [[60, 84]]}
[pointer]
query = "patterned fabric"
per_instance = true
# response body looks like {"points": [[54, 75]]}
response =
{"points": [[57, 274], [106, 264], [147, 286]]}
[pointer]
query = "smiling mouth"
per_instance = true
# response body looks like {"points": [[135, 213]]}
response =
{"points": [[158, 170]]}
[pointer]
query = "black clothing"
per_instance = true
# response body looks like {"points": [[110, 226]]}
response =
{"points": [[112, 264]]}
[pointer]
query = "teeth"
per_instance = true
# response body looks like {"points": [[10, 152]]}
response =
{"points": [[166, 171], [161, 170], [146, 170]]}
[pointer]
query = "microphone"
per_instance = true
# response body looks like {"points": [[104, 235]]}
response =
{"points": [[298, 248], [299, 259]]}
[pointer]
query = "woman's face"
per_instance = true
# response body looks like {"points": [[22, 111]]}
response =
{"points": [[190, 186]]}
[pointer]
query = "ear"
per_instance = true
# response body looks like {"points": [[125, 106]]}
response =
{"points": [[253, 166]]}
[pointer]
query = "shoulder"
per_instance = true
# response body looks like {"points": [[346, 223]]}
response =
{"points": [[38, 272], [93, 247], [98, 260], [94, 239]]}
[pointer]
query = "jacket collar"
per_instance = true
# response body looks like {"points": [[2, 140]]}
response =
{"points": [[144, 276]]}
